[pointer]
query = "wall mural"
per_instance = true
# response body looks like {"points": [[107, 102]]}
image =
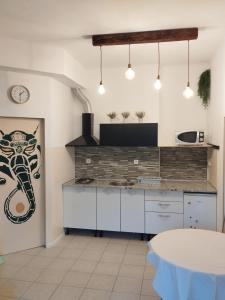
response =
{"points": [[20, 160]]}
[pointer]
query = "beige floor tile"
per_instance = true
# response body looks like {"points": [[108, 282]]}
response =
{"points": [[147, 288], [27, 274], [51, 252], [118, 242], [149, 272], [116, 248], [39, 291], [64, 242], [135, 259], [137, 249], [7, 298], [39, 262], [132, 271], [101, 282], [51, 276], [129, 285], [95, 246], [124, 296], [77, 279], [71, 253], [90, 294], [107, 268], [13, 288], [79, 244], [8, 271], [67, 293], [149, 298], [61, 264], [17, 259], [91, 255], [112, 257], [82, 265]]}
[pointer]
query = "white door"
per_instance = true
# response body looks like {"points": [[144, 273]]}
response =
{"points": [[132, 211], [22, 214], [200, 211], [108, 209], [80, 207]]}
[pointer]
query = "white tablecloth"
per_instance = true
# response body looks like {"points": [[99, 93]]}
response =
{"points": [[189, 263]]}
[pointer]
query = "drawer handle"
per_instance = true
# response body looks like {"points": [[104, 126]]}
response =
{"points": [[164, 216], [164, 204]]}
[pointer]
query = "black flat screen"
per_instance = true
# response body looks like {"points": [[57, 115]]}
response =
{"points": [[131, 134]]}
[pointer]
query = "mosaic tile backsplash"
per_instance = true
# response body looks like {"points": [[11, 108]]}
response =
{"points": [[118, 162]]}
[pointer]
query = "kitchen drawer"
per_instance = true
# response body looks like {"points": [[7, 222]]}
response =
{"points": [[164, 206], [158, 222], [163, 195]]}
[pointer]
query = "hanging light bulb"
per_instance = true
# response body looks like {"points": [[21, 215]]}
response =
{"points": [[101, 88], [157, 83], [188, 92], [129, 74]]}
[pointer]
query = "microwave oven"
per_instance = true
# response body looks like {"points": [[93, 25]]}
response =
{"points": [[192, 137]]}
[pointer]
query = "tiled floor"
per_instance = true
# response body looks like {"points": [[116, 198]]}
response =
{"points": [[80, 267]]}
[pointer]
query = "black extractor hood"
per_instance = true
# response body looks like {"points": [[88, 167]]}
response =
{"points": [[87, 138]]}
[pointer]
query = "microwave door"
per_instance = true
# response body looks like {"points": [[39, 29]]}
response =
{"points": [[188, 137]]}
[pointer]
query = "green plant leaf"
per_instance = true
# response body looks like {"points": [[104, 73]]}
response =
{"points": [[204, 87]]}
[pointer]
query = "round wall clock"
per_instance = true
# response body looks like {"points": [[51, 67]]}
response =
{"points": [[19, 94]]}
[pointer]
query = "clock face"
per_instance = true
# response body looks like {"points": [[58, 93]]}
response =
{"points": [[19, 94]]}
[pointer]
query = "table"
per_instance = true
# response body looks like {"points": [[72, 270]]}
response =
{"points": [[189, 263]]}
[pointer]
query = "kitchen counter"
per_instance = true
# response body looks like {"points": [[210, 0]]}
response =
{"points": [[189, 186]]}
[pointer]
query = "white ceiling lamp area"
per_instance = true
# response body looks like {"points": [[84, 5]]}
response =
{"points": [[157, 36]]}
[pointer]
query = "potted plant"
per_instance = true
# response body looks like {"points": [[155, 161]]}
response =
{"points": [[112, 116], [140, 115], [125, 115], [204, 87]]}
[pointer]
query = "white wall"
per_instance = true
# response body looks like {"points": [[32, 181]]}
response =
{"points": [[54, 102], [167, 107], [216, 114]]}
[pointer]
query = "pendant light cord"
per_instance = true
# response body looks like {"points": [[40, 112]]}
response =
{"points": [[158, 62], [129, 64], [188, 63], [101, 63]]}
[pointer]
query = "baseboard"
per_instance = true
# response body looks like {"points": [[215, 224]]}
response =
{"points": [[53, 243]]}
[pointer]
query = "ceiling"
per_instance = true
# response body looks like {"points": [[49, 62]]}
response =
{"points": [[70, 24]]}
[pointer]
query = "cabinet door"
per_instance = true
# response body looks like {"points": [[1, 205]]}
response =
{"points": [[200, 211], [108, 209], [80, 207], [132, 211]]}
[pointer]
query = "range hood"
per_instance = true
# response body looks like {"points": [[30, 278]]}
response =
{"points": [[87, 138]]}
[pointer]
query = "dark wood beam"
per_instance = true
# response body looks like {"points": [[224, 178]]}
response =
{"points": [[156, 36]]}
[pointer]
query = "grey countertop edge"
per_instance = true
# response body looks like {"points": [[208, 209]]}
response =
{"points": [[186, 186]]}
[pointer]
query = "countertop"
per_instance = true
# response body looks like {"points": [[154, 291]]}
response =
{"points": [[189, 186]]}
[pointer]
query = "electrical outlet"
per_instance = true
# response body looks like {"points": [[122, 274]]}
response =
{"points": [[88, 161], [136, 162]]}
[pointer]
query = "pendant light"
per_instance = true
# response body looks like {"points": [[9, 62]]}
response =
{"points": [[101, 89], [157, 83], [129, 74], [188, 92]]}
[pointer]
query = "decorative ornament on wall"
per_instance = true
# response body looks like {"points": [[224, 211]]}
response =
{"points": [[19, 160], [204, 87], [19, 94]]}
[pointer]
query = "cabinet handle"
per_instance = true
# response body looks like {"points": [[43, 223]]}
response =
{"points": [[164, 216], [164, 204], [189, 202]]}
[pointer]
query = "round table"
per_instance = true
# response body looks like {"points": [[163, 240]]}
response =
{"points": [[189, 263]]}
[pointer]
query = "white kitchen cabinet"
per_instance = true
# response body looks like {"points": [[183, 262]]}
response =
{"points": [[80, 207], [156, 222], [108, 209], [200, 211], [132, 210]]}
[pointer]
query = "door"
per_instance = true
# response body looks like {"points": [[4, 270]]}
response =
{"points": [[22, 214], [80, 207], [200, 211], [132, 211], [108, 209]]}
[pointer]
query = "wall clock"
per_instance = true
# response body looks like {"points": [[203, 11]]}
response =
{"points": [[19, 94]]}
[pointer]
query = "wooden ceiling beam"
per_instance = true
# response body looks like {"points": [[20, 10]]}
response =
{"points": [[156, 36]]}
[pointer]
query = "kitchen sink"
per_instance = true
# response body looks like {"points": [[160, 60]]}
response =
{"points": [[122, 183]]}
